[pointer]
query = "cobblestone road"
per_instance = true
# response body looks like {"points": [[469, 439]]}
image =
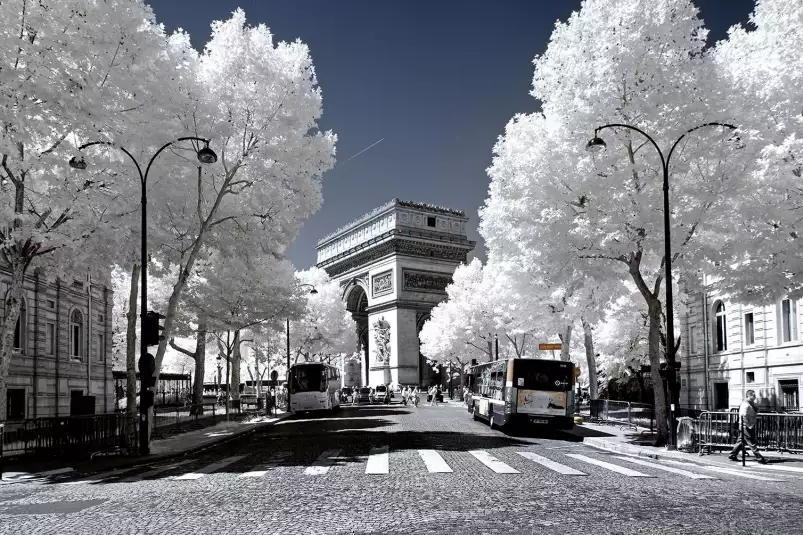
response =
{"points": [[407, 470]]}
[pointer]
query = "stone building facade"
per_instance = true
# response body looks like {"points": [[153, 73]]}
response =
{"points": [[393, 265], [730, 348], [62, 356]]}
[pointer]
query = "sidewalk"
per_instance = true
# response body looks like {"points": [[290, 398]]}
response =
{"points": [[621, 439], [173, 446]]}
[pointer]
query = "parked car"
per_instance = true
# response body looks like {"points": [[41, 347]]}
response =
{"points": [[363, 395]]}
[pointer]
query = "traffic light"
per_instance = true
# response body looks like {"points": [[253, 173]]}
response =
{"points": [[146, 366], [151, 328], [146, 399]]}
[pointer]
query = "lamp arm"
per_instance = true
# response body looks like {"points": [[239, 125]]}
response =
{"points": [[689, 131], [640, 131], [163, 147], [110, 144]]}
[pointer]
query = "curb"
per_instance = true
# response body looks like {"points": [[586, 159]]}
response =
{"points": [[616, 447]]}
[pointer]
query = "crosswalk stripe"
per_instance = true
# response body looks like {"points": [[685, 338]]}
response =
{"points": [[773, 467], [664, 468], [262, 469], [97, 478], [609, 466], [493, 463], [378, 461], [434, 462], [322, 464], [729, 471], [552, 465], [208, 469], [156, 471]]}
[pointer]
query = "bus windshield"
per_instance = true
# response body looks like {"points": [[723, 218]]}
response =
{"points": [[551, 375], [306, 378]]}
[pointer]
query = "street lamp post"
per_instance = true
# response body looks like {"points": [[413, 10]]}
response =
{"points": [[596, 144], [205, 155], [287, 386]]}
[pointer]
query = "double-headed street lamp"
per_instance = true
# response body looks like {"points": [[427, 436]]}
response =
{"points": [[313, 291], [206, 156], [596, 144]]}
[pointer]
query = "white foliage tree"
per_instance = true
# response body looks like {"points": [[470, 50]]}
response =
{"points": [[639, 63], [325, 327]]}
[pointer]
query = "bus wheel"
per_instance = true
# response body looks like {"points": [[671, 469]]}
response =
{"points": [[475, 414], [491, 422]]}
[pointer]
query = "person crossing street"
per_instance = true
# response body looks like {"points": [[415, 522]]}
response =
{"points": [[747, 428]]}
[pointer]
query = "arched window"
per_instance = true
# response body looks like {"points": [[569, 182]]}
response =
{"points": [[721, 327], [76, 334], [21, 330]]}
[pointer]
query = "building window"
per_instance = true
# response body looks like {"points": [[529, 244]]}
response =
{"points": [[51, 304], [15, 409], [789, 394], [692, 338], [749, 329], [21, 330], [788, 320], [751, 377], [721, 327], [76, 335], [430, 221], [50, 338], [100, 319], [101, 349]]}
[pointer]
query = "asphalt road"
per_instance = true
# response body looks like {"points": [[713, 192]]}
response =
{"points": [[406, 470]]}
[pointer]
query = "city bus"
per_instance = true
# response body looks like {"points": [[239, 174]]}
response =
{"points": [[516, 391], [314, 386]]}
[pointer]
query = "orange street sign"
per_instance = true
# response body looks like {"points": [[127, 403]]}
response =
{"points": [[550, 347]]}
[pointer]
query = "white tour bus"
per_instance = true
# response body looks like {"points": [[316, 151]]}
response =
{"points": [[314, 386]]}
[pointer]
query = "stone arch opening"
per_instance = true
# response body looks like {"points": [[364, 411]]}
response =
{"points": [[357, 305]]}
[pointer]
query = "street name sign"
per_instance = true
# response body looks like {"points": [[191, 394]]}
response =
{"points": [[550, 347]]}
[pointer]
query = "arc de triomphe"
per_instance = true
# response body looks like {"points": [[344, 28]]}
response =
{"points": [[393, 265]]}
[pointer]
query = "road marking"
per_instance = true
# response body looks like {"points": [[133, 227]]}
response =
{"points": [[775, 467], [493, 463], [262, 469], [322, 464], [97, 478], [434, 461], [664, 468], [14, 477], [552, 465], [208, 469], [378, 461], [609, 466], [729, 471], [156, 471]]}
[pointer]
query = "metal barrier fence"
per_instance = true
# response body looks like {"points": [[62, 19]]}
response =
{"points": [[624, 413], [72, 437], [780, 432]]}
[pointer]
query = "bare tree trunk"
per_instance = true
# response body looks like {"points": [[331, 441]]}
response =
{"points": [[590, 358], [566, 341], [13, 305], [235, 367], [654, 342], [200, 362], [131, 344]]}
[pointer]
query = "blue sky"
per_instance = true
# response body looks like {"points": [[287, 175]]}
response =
{"points": [[437, 80]]}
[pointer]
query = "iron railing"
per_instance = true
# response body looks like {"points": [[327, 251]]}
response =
{"points": [[774, 431], [625, 413], [72, 437]]}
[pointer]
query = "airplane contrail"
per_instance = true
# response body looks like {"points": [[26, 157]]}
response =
{"points": [[365, 149]]}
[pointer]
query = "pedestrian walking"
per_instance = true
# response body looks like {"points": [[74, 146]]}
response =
{"points": [[747, 428]]}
